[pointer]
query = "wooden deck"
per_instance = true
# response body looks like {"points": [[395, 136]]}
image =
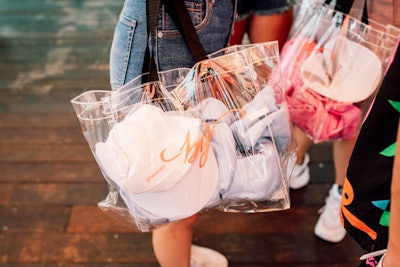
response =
{"points": [[52, 50]]}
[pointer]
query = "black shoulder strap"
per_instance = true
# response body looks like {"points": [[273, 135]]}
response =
{"points": [[149, 64], [181, 18], [344, 6]]}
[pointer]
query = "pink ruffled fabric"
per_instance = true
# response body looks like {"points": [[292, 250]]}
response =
{"points": [[323, 119]]}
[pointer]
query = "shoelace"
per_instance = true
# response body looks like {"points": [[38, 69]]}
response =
{"points": [[373, 254]]}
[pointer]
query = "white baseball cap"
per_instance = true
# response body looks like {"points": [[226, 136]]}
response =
{"points": [[346, 71], [189, 196], [145, 155], [143, 144]]}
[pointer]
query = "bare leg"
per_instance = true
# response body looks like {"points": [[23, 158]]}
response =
{"points": [[239, 29], [392, 257], [265, 28], [172, 242], [341, 155], [303, 144], [300, 174]]}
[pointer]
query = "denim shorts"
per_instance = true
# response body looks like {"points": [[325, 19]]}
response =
{"points": [[213, 20], [262, 7]]}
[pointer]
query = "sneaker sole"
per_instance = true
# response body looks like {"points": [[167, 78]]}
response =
{"points": [[216, 258], [331, 236], [301, 180]]}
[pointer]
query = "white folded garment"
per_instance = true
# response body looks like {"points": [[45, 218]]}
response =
{"points": [[256, 176]]}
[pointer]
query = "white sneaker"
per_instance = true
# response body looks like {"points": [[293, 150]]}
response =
{"points": [[380, 264], [329, 227], [206, 257], [300, 176]]}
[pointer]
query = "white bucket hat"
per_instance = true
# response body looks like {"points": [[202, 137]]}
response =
{"points": [[352, 75]]}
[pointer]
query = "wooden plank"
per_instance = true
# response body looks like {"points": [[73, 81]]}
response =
{"points": [[42, 136], [280, 248], [58, 194], [74, 43], [70, 62], [321, 153], [83, 172], [100, 21], [217, 222], [45, 99], [38, 120], [34, 218], [322, 173], [35, 103], [5, 193], [67, 37], [91, 219], [54, 246], [313, 194], [39, 82], [21, 153], [130, 247]]}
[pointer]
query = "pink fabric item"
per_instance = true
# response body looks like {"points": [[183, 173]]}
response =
{"points": [[323, 119]]}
